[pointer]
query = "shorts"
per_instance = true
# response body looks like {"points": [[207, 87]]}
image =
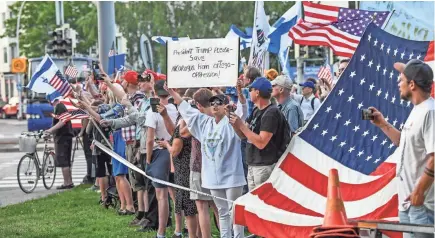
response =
{"points": [[159, 167], [63, 150], [137, 180], [195, 184], [103, 166], [258, 175]]}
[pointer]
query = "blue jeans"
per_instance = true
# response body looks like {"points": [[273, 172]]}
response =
{"points": [[417, 215], [245, 165]]}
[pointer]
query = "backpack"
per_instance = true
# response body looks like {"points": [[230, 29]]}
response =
{"points": [[312, 102], [286, 133]]}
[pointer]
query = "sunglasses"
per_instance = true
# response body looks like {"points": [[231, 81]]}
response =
{"points": [[217, 103]]}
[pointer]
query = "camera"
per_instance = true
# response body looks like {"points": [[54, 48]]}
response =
{"points": [[367, 114], [96, 71], [144, 78]]}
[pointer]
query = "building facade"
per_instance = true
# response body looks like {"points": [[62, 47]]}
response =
{"points": [[8, 51]]}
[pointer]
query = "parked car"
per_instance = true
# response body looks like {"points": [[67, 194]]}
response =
{"points": [[10, 109]]}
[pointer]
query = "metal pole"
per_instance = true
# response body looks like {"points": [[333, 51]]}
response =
{"points": [[106, 30], [300, 69], [20, 92]]}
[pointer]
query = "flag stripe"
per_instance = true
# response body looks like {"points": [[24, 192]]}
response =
{"points": [[309, 6], [317, 182], [316, 17], [323, 37], [430, 52]]}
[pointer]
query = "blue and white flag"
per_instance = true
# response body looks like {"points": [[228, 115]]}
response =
{"points": [[260, 41], [116, 62], [163, 39], [245, 39], [48, 78], [279, 38]]}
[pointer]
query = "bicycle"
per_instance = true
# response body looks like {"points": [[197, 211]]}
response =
{"points": [[28, 143]]}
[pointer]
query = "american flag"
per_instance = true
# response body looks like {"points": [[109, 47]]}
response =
{"points": [[60, 84], [71, 71], [70, 115], [337, 27], [293, 200], [112, 50], [325, 73], [76, 123]]}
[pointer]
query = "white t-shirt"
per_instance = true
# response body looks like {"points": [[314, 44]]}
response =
{"points": [[306, 107], [416, 141], [155, 120]]}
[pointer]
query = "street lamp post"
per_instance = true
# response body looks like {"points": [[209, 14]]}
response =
{"points": [[20, 91]]}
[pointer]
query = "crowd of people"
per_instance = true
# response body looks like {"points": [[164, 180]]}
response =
{"points": [[220, 141]]}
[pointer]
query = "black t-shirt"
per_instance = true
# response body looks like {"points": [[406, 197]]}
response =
{"points": [[269, 119], [66, 131]]}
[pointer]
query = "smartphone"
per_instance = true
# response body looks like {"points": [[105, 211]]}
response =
{"points": [[96, 71], [154, 102], [367, 114], [231, 108]]}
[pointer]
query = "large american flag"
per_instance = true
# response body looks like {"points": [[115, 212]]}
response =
{"points": [[60, 84], [337, 27], [325, 73], [293, 200], [71, 71], [70, 115]]}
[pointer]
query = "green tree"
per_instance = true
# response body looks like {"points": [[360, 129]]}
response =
{"points": [[194, 19], [38, 18]]}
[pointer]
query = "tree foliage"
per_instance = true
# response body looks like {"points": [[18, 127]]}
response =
{"points": [[38, 18], [201, 19]]}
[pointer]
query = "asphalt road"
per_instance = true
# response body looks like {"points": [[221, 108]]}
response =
{"points": [[10, 193]]}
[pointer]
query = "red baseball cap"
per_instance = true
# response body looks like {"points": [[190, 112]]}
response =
{"points": [[131, 77]]}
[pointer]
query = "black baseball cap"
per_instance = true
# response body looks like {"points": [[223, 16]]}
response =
{"points": [[159, 88], [220, 97], [416, 70]]}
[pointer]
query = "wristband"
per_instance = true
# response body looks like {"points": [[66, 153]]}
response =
{"points": [[429, 172]]}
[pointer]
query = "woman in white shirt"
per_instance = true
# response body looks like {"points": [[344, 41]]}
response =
{"points": [[222, 167]]}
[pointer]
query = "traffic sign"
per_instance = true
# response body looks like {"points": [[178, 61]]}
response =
{"points": [[19, 65]]}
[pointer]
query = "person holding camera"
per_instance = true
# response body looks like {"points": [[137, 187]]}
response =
{"points": [[267, 132], [158, 158], [416, 144]]}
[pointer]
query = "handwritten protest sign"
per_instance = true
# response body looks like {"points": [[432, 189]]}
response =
{"points": [[203, 63]]}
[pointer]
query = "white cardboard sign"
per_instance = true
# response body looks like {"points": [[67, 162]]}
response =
{"points": [[203, 63]]}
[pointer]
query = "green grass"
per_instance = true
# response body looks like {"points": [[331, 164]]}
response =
{"points": [[74, 213]]}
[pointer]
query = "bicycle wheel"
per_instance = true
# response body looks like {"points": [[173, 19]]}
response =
{"points": [[28, 173], [48, 170]]}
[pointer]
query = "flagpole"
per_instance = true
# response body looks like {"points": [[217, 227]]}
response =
{"points": [[388, 20]]}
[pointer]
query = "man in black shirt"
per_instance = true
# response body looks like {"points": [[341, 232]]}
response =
{"points": [[62, 136], [267, 133]]}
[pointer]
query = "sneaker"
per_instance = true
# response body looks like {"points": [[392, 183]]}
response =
{"points": [[135, 222], [125, 212], [144, 222], [93, 188], [177, 236]]}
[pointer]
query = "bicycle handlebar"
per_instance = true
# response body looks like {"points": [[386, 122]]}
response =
{"points": [[37, 135]]}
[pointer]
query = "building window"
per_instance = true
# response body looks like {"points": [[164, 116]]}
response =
{"points": [[5, 55], [13, 50]]}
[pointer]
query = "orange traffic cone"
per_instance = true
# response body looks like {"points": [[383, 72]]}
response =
{"points": [[335, 221], [335, 214]]}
